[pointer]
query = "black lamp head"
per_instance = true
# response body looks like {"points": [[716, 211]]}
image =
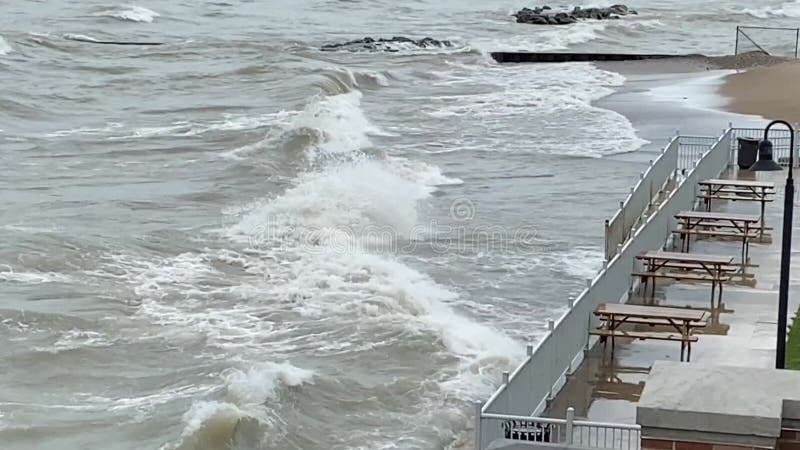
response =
{"points": [[765, 161]]}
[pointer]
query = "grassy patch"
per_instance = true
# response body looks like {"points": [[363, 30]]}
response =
{"points": [[793, 345]]}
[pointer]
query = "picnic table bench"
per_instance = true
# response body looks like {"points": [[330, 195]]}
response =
{"points": [[738, 190], [686, 267], [683, 320], [705, 223]]}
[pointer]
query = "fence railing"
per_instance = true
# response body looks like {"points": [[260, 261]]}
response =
{"points": [[778, 136], [566, 432], [775, 41], [691, 149], [640, 199], [525, 392]]}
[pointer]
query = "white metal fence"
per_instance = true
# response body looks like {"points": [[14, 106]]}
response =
{"points": [[568, 432], [541, 375], [641, 197], [691, 149], [681, 154]]}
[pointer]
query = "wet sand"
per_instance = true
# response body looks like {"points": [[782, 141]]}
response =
{"points": [[772, 92], [661, 98]]}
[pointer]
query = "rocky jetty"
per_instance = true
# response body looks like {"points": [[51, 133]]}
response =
{"points": [[394, 44], [545, 15]]}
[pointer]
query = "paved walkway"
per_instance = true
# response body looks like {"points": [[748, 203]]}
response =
{"points": [[741, 332]]}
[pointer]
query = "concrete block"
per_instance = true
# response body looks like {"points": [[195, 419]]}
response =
{"points": [[745, 401]]}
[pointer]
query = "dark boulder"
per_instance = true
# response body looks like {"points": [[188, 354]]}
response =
{"points": [[545, 15], [393, 44]]}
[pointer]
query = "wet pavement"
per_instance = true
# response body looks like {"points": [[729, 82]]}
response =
{"points": [[740, 332]]}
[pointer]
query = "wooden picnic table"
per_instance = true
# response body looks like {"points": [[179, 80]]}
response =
{"points": [[683, 320], [743, 190], [691, 220], [713, 268]]}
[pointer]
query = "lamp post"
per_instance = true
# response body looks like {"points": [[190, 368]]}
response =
{"points": [[766, 163]]}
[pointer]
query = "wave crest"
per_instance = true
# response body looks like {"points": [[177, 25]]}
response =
{"points": [[130, 13], [5, 47]]}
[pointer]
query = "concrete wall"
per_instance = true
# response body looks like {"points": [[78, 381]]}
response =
{"points": [[707, 407]]}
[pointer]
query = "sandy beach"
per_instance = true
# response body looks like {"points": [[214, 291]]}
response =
{"points": [[771, 92]]}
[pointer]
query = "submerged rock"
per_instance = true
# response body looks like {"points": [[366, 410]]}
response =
{"points": [[393, 44], [545, 15]]}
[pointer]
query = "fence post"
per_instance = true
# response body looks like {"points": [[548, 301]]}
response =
{"points": [[478, 407], [796, 42], [608, 256], [736, 47], [622, 218], [570, 419]]}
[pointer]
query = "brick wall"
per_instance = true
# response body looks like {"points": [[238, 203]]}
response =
{"points": [[664, 444], [789, 440]]}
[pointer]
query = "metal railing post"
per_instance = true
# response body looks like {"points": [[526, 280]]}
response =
{"points": [[478, 407], [570, 419], [796, 42], [608, 256], [736, 47]]}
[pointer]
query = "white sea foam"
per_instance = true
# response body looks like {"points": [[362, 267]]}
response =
{"points": [[131, 13], [541, 39], [228, 122], [79, 37], [349, 195], [76, 339], [33, 277], [213, 424], [340, 120], [5, 47], [581, 262], [208, 425], [787, 9], [556, 97], [258, 383]]}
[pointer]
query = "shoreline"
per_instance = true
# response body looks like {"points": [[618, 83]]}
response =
{"points": [[663, 98], [769, 91]]}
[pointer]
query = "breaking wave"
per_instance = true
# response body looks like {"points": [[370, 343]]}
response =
{"points": [[215, 424], [5, 47], [130, 13]]}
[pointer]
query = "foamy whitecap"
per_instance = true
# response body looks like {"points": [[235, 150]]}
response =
{"points": [[208, 425], [214, 424], [534, 38], [131, 13], [343, 198], [259, 382], [580, 262], [787, 9], [79, 37], [77, 339], [5, 47], [341, 122], [34, 277]]}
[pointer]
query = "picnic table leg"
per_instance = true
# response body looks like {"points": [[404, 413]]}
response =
{"points": [[763, 205], [689, 351], [683, 347], [653, 291], [744, 245], [713, 291], [612, 335], [719, 300]]}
